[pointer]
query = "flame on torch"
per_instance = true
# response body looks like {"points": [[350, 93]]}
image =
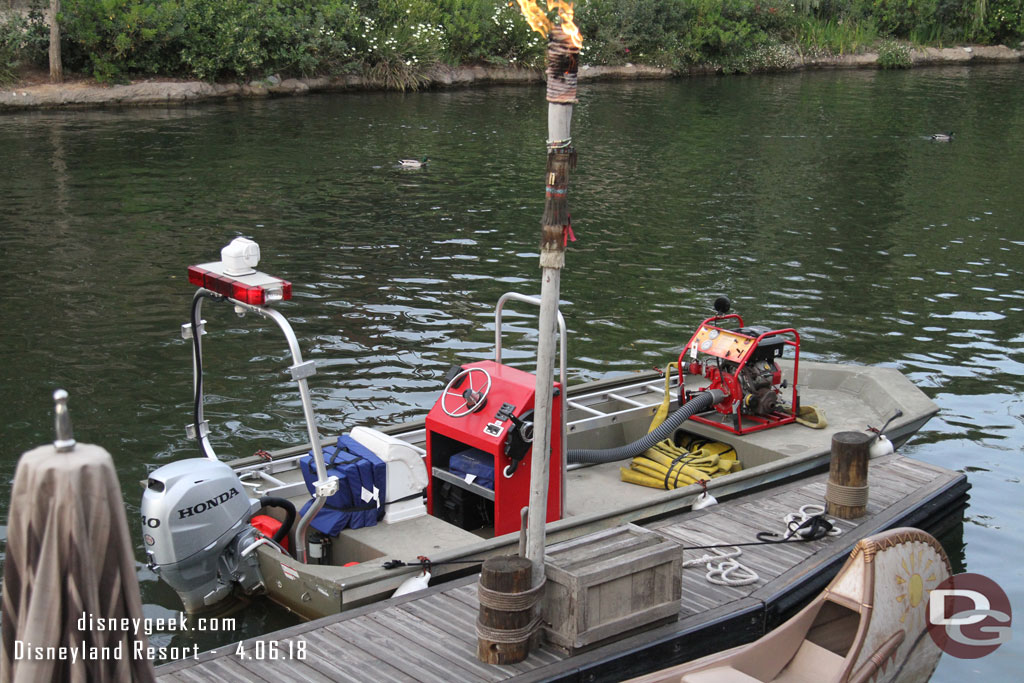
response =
{"points": [[539, 21]]}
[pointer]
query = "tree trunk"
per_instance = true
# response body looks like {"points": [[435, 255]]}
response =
{"points": [[56, 69]]}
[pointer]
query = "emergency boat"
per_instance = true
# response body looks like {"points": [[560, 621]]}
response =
{"points": [[350, 519]]}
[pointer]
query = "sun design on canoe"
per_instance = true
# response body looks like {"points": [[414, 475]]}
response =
{"points": [[918, 577]]}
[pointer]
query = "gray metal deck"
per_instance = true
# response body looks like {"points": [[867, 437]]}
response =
{"points": [[430, 636]]}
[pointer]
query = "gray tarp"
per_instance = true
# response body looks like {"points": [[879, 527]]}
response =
{"points": [[69, 554]]}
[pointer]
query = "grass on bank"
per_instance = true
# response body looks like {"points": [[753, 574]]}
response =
{"points": [[394, 42]]}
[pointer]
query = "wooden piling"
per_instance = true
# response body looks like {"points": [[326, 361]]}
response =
{"points": [[506, 618], [846, 493]]}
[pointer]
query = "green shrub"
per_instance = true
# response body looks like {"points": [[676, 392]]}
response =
{"points": [[24, 41], [514, 42], [833, 36], [893, 55], [112, 39], [254, 38], [395, 42], [226, 38], [1001, 21], [638, 31], [331, 37], [398, 42], [729, 32]]}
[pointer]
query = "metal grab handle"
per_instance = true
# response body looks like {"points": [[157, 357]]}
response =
{"points": [[299, 371], [562, 356]]}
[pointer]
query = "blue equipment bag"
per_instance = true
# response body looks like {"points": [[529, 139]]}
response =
{"points": [[362, 481], [474, 461]]}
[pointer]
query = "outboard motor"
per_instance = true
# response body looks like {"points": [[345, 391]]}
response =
{"points": [[195, 524]]}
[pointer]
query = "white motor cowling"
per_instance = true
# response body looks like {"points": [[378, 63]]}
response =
{"points": [[195, 524]]}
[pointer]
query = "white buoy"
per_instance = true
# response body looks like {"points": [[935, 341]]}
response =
{"points": [[413, 584], [880, 446], [704, 500]]}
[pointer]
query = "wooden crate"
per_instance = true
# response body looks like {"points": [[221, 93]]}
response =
{"points": [[609, 583]]}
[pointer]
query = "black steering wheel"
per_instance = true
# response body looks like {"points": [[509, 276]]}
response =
{"points": [[461, 403]]}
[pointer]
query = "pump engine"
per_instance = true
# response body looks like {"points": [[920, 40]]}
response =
{"points": [[196, 524], [742, 363]]}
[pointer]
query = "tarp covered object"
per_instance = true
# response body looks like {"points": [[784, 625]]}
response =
{"points": [[69, 554]]}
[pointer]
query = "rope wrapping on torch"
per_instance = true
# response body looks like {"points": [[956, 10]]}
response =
{"points": [[556, 197], [562, 67]]}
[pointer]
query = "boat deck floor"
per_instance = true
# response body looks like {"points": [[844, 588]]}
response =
{"points": [[430, 635]]}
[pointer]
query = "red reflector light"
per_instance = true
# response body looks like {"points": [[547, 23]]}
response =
{"points": [[257, 289], [196, 275]]}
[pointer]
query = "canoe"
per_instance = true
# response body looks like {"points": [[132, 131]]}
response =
{"points": [[869, 624]]}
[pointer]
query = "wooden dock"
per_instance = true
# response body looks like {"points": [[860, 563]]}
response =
{"points": [[430, 636]]}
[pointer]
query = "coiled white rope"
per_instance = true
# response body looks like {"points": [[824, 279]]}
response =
{"points": [[727, 571]]}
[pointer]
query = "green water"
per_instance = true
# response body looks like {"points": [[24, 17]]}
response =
{"points": [[814, 200]]}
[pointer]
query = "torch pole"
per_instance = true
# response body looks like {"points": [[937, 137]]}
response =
{"points": [[561, 94]]}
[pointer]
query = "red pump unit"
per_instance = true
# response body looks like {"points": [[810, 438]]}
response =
{"points": [[741, 363]]}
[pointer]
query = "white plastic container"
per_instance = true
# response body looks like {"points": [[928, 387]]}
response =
{"points": [[407, 474]]}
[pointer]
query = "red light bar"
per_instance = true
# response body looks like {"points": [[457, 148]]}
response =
{"points": [[256, 289]]}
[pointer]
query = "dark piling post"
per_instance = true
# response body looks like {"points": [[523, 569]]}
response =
{"points": [[506, 622], [846, 494]]}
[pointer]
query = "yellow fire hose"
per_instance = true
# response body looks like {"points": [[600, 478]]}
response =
{"points": [[668, 466]]}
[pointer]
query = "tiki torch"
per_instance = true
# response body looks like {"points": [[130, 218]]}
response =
{"points": [[562, 64]]}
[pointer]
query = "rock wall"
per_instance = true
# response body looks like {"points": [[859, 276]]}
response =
{"points": [[157, 92]]}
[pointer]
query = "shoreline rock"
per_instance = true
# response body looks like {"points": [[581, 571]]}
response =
{"points": [[152, 92]]}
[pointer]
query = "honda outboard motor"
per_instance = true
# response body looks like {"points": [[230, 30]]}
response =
{"points": [[195, 524]]}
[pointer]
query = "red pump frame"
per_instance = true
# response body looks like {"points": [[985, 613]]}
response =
{"points": [[742, 358]]}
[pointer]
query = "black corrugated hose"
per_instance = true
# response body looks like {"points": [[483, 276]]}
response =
{"points": [[703, 401]]}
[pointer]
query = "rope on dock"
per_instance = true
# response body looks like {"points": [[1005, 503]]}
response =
{"points": [[510, 602], [728, 571]]}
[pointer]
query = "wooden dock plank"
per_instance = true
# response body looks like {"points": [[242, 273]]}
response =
{"points": [[694, 599], [912, 470], [445, 613], [734, 526], [189, 675], [538, 656], [229, 669], [461, 654], [755, 557], [337, 659], [385, 646], [282, 669], [454, 618]]}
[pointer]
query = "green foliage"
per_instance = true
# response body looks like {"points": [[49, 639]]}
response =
{"points": [[230, 37], [514, 42], [114, 38], [921, 20], [396, 42], [24, 40], [637, 31], [849, 35], [1001, 22], [331, 35], [893, 55]]}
